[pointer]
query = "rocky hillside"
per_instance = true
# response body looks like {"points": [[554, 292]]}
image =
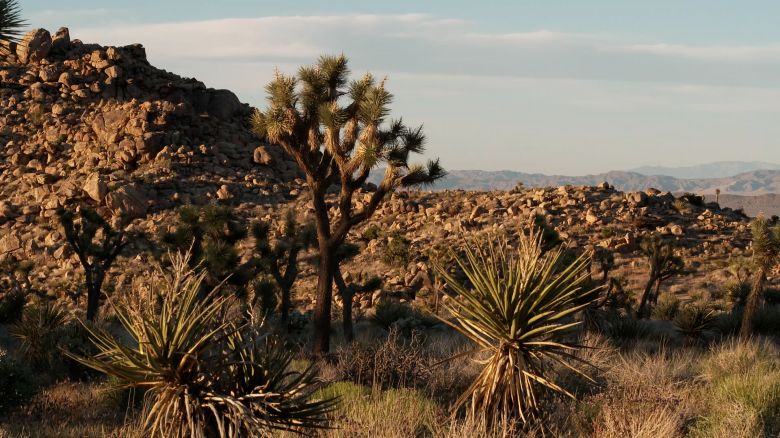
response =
{"points": [[748, 183], [86, 123]]}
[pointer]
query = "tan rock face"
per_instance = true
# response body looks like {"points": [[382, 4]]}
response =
{"points": [[127, 202], [34, 46], [96, 187]]}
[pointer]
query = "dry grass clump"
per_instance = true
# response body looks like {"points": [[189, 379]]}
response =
{"points": [[645, 395], [70, 410], [742, 391], [395, 362]]}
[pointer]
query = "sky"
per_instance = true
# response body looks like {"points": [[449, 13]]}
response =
{"points": [[557, 87]]}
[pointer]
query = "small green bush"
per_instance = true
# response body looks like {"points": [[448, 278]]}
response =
{"points": [[372, 232], [397, 250], [626, 328], [15, 383], [667, 308], [404, 318], [11, 307]]}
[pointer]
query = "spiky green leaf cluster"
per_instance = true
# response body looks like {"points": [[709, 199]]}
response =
{"points": [[204, 376], [766, 242], [320, 112], [11, 24], [517, 306]]}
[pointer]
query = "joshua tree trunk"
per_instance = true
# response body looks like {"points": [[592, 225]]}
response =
{"points": [[752, 304], [325, 273], [347, 295], [640, 313]]}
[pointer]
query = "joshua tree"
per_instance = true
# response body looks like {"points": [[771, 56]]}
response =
{"points": [[281, 259], [211, 234], [663, 265], [606, 261], [11, 24], [717, 196], [97, 245], [766, 252], [348, 291], [338, 133]]}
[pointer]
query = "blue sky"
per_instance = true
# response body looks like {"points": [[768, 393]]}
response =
{"points": [[568, 87]]}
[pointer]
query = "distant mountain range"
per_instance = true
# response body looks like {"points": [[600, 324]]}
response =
{"points": [[718, 169], [756, 182]]}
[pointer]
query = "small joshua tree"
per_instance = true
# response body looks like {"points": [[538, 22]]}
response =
{"points": [[337, 132], [96, 244], [348, 292], [211, 234], [663, 265], [280, 259], [766, 252], [717, 196]]}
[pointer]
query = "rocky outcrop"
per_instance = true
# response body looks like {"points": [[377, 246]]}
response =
{"points": [[84, 124]]}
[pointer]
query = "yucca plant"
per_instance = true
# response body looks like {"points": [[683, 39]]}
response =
{"points": [[11, 24], [518, 307], [39, 331], [694, 319], [203, 375]]}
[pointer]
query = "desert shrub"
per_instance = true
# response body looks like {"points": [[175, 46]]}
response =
{"points": [[15, 383], [403, 318], [11, 307], [693, 199], [206, 376], [772, 296], [372, 232], [727, 323], [737, 292], [39, 332], [396, 251], [766, 321], [550, 237], [517, 308], [74, 338], [626, 328], [395, 362], [667, 308], [694, 320], [681, 206]]}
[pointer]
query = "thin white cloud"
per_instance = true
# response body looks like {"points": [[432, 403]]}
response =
{"points": [[531, 96], [420, 43], [712, 53]]}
